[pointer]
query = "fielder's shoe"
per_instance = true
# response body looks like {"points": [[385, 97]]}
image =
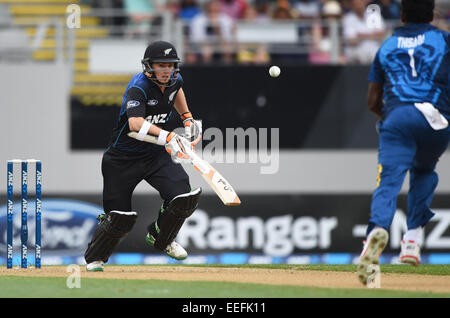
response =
{"points": [[374, 246], [96, 266], [410, 253], [174, 249]]}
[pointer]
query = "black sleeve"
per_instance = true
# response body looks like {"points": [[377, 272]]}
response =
{"points": [[135, 102], [180, 81]]}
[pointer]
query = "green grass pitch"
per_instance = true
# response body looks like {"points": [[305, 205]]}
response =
{"points": [[21, 286]]}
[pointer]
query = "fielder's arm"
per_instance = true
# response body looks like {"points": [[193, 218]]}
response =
{"points": [[375, 98]]}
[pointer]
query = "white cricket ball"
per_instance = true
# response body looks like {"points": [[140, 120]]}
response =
{"points": [[274, 71]]}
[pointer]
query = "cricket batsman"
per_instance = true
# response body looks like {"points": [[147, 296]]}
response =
{"points": [[409, 92], [147, 106]]}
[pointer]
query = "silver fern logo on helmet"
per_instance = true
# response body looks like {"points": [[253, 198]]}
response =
{"points": [[160, 52]]}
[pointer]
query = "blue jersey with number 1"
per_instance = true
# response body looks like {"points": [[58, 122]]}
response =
{"points": [[413, 67]]}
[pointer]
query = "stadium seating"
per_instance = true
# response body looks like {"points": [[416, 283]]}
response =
{"points": [[28, 15]]}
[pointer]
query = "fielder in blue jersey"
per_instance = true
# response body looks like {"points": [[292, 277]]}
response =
{"points": [[409, 91]]}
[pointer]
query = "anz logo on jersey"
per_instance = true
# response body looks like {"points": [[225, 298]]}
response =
{"points": [[157, 119]]}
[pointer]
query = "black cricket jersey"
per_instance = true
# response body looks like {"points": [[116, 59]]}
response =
{"points": [[143, 98]]}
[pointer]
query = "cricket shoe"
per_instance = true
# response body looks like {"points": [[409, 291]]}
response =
{"points": [[174, 249], [96, 266], [373, 247], [410, 252]]}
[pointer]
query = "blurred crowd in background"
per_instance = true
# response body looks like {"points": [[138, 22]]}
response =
{"points": [[210, 26], [327, 31]]}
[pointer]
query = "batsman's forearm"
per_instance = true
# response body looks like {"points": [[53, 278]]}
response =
{"points": [[160, 133], [154, 130], [136, 123], [160, 140], [148, 138], [180, 104]]}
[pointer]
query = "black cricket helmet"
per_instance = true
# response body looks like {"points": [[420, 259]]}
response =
{"points": [[160, 52]]}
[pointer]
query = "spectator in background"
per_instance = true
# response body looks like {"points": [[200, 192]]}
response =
{"points": [[346, 6], [235, 9], [172, 6], [307, 9], [251, 15], [262, 8], [255, 53], [141, 14], [321, 51], [363, 31], [283, 11], [212, 32], [390, 9], [188, 10], [291, 53], [113, 19], [442, 15]]}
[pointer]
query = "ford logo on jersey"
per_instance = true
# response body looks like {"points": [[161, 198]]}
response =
{"points": [[133, 103], [152, 102]]}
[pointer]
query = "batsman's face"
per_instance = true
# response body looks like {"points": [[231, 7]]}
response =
{"points": [[163, 71]]}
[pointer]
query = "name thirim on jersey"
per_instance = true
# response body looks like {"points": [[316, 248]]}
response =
{"points": [[410, 42], [157, 119]]}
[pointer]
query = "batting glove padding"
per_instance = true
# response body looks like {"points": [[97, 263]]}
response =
{"points": [[192, 128], [177, 146]]}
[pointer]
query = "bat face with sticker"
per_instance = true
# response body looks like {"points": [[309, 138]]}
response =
{"points": [[216, 181]]}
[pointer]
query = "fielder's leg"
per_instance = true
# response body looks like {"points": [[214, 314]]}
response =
{"points": [[423, 182], [396, 153], [397, 148], [384, 198], [373, 247], [421, 190]]}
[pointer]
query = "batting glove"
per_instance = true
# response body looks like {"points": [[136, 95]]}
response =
{"points": [[192, 128], [177, 146]]}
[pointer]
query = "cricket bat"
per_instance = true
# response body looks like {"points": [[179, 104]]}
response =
{"points": [[215, 180]]}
